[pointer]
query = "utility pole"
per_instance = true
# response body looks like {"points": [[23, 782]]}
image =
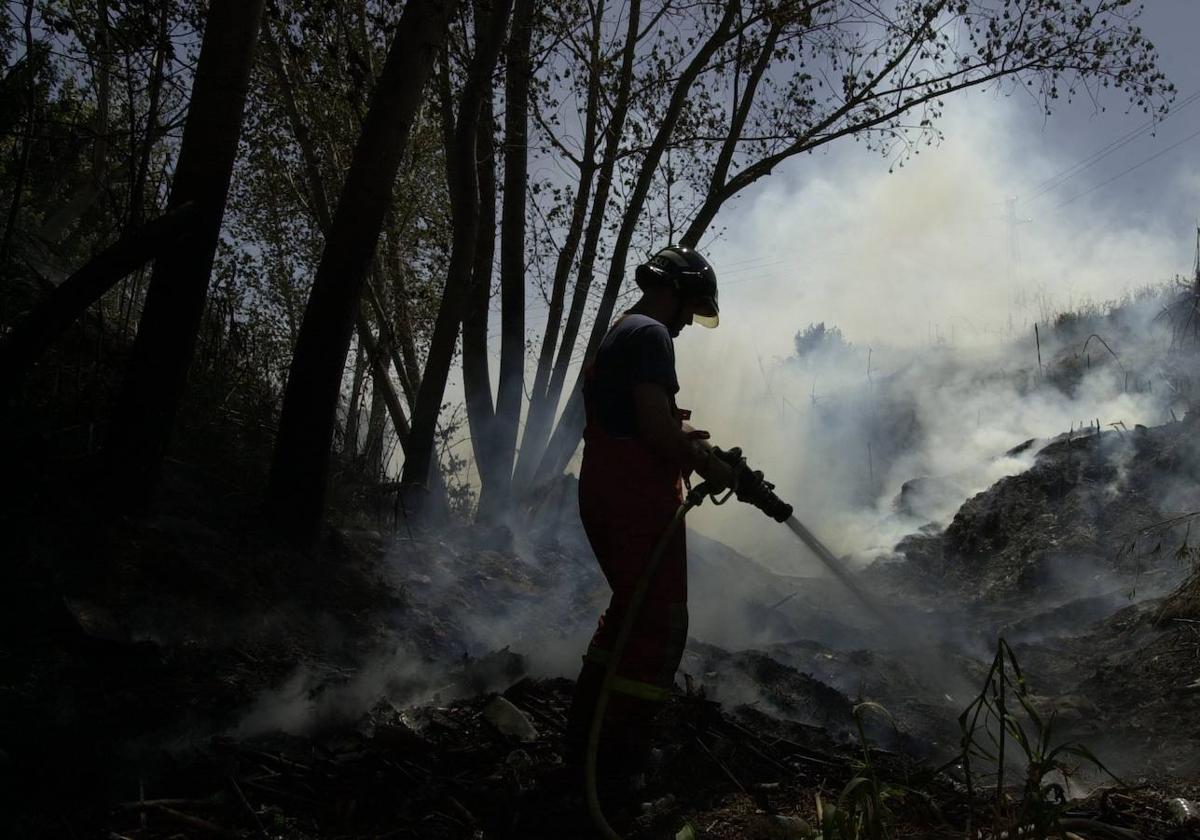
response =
{"points": [[1196, 269], [1013, 269]]}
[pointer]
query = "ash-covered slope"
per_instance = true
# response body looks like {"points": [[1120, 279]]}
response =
{"points": [[1092, 515], [1070, 561]]}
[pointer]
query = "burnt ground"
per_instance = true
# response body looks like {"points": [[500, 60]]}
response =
{"points": [[1070, 561], [179, 675]]}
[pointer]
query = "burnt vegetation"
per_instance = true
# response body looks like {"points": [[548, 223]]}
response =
{"points": [[268, 571]]}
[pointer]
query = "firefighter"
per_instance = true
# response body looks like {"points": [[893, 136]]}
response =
{"points": [[637, 449]]}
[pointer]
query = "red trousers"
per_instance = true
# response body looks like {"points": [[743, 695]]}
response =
{"points": [[627, 499]]}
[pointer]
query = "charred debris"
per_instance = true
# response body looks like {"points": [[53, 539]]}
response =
{"points": [[182, 674]]}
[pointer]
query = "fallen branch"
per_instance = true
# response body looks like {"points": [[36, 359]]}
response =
{"points": [[197, 823], [721, 765], [150, 804], [241, 797]]}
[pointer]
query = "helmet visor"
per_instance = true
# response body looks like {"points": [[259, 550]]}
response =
{"points": [[706, 313]]}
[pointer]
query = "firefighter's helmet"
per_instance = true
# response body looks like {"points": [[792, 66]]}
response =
{"points": [[688, 273]]}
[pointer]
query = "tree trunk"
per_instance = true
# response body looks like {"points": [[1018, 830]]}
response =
{"points": [[354, 407], [541, 410], [300, 467], [388, 333], [541, 415], [320, 203], [300, 133], [737, 125], [137, 190], [465, 220], [376, 356], [372, 466], [162, 352], [14, 207], [404, 338], [518, 74], [437, 503], [32, 336], [477, 380], [103, 98], [566, 436]]}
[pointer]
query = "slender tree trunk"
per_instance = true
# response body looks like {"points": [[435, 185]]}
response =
{"points": [[541, 410], [103, 97], [308, 154], [541, 415], [137, 190], [320, 203], [477, 380], [14, 207], [300, 467], [737, 125], [377, 357], [570, 427], [404, 339], [437, 503], [465, 211], [162, 352], [373, 450], [354, 407], [518, 74], [380, 382], [386, 331]]}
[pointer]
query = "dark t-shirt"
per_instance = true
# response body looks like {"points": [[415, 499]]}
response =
{"points": [[637, 350]]}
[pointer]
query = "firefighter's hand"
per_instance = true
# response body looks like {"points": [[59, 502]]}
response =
{"points": [[717, 472], [694, 433]]}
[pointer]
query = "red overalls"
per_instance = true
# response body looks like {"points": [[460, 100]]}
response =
{"points": [[627, 497]]}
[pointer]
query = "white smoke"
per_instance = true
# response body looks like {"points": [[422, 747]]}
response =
{"points": [[938, 292]]}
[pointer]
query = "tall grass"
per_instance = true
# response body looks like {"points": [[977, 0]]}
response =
{"points": [[1002, 732]]}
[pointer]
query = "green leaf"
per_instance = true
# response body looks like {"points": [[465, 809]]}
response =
{"points": [[688, 832], [849, 790]]}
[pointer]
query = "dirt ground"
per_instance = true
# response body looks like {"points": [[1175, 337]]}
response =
{"points": [[208, 683]]}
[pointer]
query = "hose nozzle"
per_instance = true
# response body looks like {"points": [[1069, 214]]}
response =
{"points": [[755, 490], [752, 488]]}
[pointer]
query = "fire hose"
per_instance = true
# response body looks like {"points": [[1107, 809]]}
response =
{"points": [[749, 487]]}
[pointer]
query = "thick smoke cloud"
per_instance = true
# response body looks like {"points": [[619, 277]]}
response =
{"points": [[921, 273]]}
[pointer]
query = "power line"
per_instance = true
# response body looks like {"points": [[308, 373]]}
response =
{"points": [[1124, 172], [754, 269], [1091, 160]]}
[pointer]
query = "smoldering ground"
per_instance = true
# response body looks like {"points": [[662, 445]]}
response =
{"points": [[933, 393], [949, 416]]}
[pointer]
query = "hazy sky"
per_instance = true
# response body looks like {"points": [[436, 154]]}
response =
{"points": [[924, 255], [926, 251]]}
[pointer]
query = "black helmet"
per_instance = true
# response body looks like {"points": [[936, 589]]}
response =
{"points": [[689, 274]]}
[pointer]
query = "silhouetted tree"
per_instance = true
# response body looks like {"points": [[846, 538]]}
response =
{"points": [[142, 424], [300, 465]]}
